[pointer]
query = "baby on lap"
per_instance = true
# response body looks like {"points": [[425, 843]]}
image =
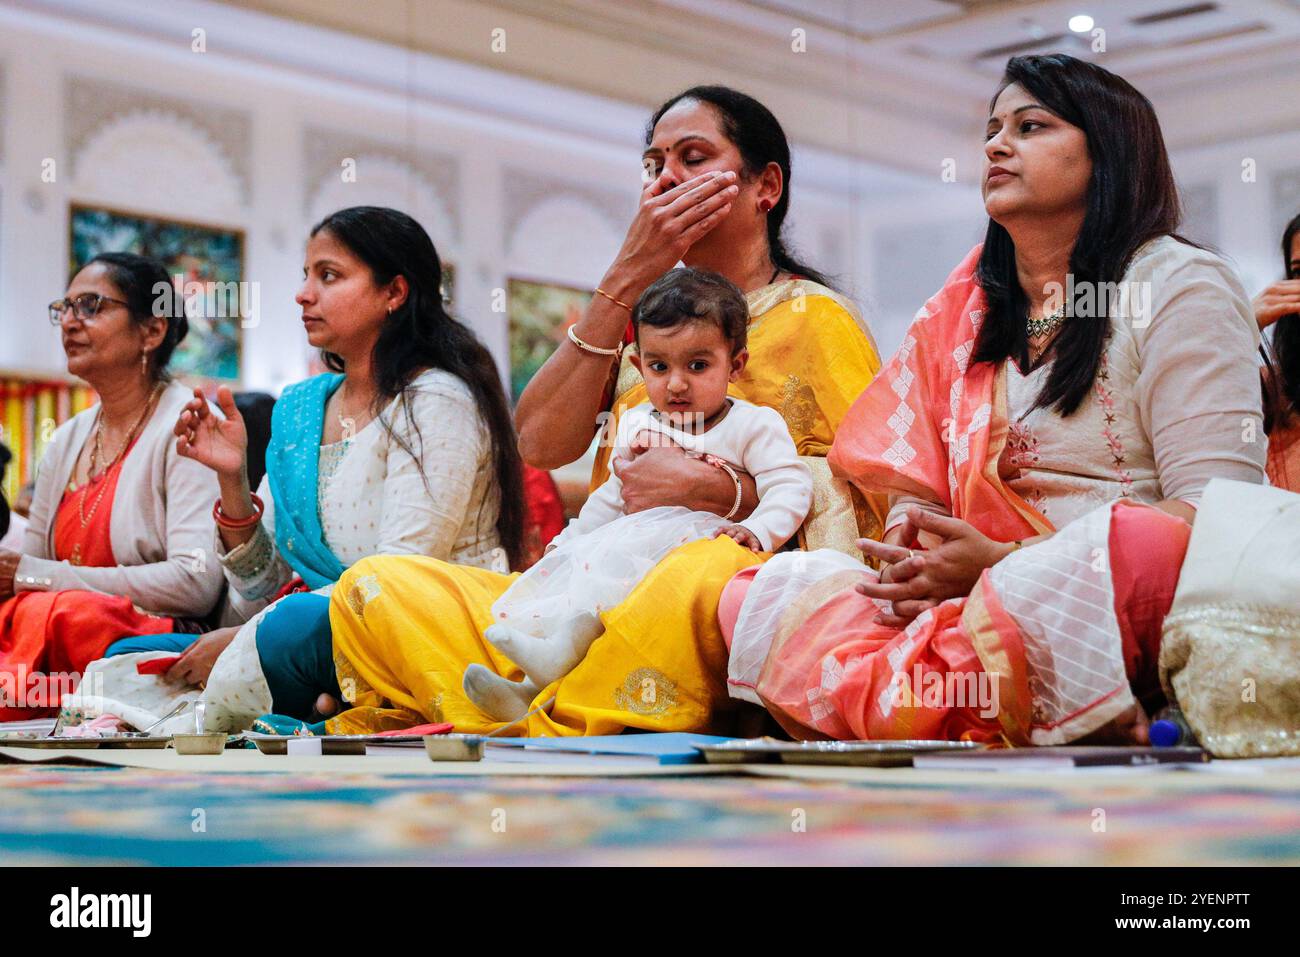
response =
{"points": [[690, 330]]}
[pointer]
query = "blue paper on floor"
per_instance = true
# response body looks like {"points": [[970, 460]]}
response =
{"points": [[674, 747]]}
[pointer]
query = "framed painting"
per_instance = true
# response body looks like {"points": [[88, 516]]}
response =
{"points": [[206, 264], [539, 313]]}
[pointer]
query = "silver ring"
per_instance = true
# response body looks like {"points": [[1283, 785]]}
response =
{"points": [[911, 554]]}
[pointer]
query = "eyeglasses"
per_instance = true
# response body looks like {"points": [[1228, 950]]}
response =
{"points": [[85, 307]]}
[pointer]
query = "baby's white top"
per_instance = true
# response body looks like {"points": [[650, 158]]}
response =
{"points": [[749, 437]]}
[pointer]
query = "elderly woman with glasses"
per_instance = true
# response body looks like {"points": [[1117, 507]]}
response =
{"points": [[120, 533]]}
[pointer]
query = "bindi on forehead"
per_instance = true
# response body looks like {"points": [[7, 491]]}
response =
{"points": [[679, 143]]}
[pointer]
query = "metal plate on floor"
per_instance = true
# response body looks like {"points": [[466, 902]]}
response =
{"points": [[879, 754]]}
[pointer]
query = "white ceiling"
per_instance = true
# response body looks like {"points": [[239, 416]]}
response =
{"points": [[954, 37], [899, 84], [938, 61], [991, 24]]}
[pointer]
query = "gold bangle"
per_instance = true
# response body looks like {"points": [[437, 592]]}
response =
{"points": [[740, 489], [617, 351], [617, 302]]}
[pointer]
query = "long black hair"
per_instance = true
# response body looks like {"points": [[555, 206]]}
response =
{"points": [[5, 456], [759, 138], [148, 291], [1282, 392], [1132, 198], [420, 335]]}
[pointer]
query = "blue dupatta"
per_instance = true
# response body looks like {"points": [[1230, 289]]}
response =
{"points": [[292, 459]]}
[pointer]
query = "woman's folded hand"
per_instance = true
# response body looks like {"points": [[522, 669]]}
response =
{"points": [[915, 581]]}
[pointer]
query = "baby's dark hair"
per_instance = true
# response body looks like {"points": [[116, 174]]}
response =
{"points": [[686, 295]]}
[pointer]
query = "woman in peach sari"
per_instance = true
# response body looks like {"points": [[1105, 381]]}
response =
{"points": [[1044, 472]]}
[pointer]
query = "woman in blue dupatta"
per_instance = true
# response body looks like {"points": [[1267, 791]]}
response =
{"points": [[406, 448]]}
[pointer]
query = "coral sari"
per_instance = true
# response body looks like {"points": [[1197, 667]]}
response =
{"points": [[1034, 654], [48, 637]]}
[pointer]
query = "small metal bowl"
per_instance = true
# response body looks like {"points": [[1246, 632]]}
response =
{"points": [[453, 747], [213, 742]]}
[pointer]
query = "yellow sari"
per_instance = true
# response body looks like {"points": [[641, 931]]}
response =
{"points": [[405, 628]]}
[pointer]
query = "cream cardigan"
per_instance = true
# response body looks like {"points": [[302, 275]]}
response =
{"points": [[161, 526]]}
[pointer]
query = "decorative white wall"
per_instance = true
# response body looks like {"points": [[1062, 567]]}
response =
{"points": [[143, 123], [512, 177]]}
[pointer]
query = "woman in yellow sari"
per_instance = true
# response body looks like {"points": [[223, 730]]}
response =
{"points": [[718, 171]]}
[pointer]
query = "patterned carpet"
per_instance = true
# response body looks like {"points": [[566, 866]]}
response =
{"points": [[60, 814]]}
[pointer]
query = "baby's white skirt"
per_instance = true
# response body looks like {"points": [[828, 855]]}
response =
{"points": [[597, 571]]}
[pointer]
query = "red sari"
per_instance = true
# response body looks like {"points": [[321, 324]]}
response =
{"points": [[48, 637], [544, 514]]}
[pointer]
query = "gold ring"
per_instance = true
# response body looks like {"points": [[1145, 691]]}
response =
{"points": [[911, 554]]}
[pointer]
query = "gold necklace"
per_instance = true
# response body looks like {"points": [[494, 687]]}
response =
{"points": [[95, 451]]}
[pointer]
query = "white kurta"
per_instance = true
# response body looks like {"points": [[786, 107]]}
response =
{"points": [[374, 498], [1175, 404]]}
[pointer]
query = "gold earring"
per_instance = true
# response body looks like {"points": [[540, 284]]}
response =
{"points": [[144, 362]]}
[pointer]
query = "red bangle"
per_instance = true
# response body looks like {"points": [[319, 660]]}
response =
{"points": [[234, 524]]}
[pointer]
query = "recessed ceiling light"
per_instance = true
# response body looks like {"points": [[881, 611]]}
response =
{"points": [[1081, 23]]}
